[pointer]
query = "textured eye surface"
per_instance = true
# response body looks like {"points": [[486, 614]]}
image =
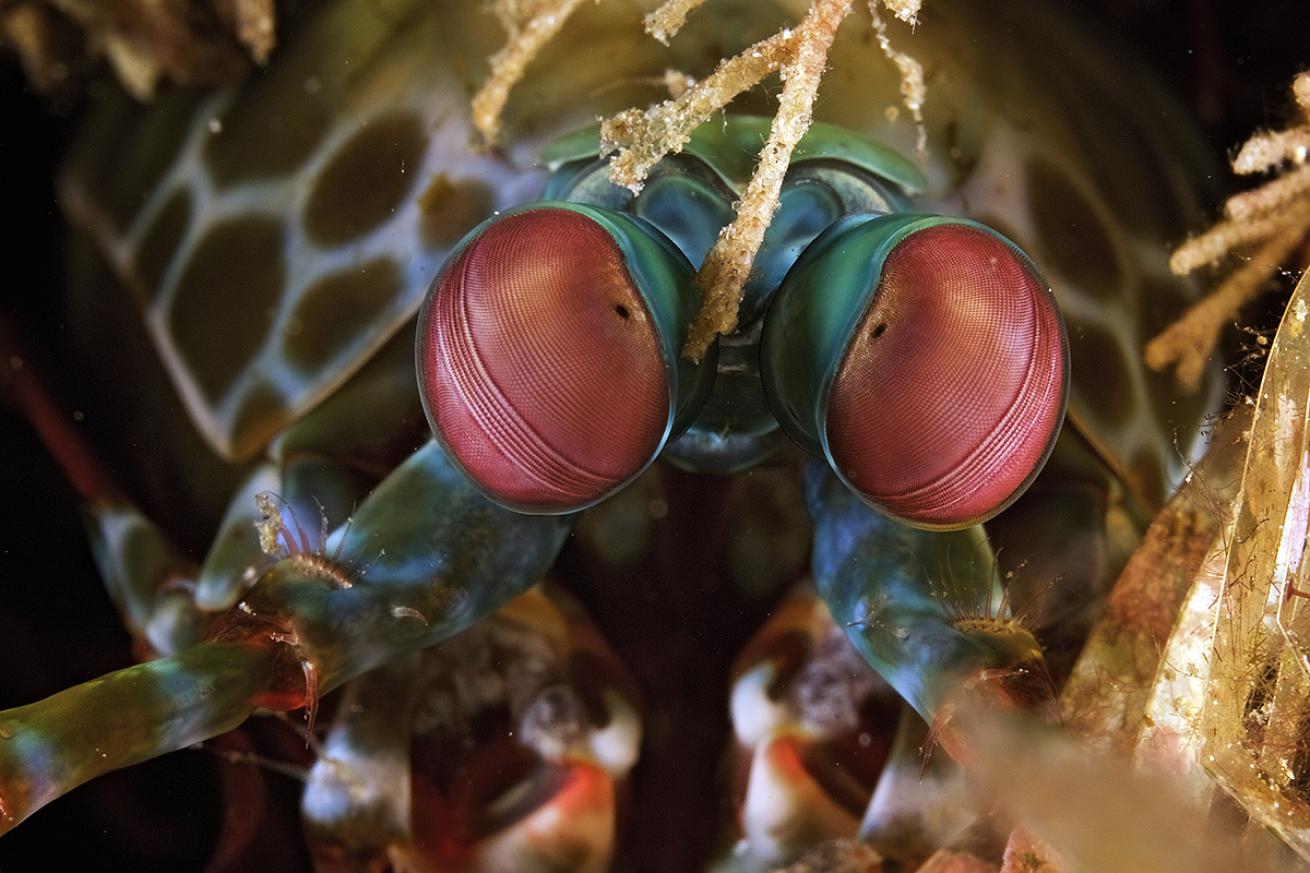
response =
{"points": [[951, 390], [539, 362]]}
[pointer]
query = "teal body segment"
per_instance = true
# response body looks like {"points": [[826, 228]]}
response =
{"points": [[731, 148], [923, 607]]}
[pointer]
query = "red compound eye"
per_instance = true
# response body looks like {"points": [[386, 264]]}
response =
{"points": [[539, 362], [951, 392]]}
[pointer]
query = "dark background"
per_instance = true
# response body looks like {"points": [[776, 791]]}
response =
{"points": [[1230, 62]]}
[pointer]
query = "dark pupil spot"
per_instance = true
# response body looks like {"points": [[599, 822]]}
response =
{"points": [[622, 311], [880, 329]]}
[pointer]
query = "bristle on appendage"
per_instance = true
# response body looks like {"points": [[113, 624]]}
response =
{"points": [[1275, 217], [310, 696], [291, 544]]}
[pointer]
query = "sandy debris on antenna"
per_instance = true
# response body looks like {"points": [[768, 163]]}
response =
{"points": [[640, 138], [530, 24], [668, 19]]}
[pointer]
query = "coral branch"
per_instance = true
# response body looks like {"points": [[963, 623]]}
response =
{"points": [[643, 137], [1188, 342], [727, 266], [913, 89], [253, 23], [1265, 199], [668, 19], [1264, 151], [526, 39], [905, 10], [147, 42], [1276, 215], [1227, 236]]}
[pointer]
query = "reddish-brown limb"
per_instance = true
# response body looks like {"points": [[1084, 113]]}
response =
{"points": [[245, 797], [54, 424]]}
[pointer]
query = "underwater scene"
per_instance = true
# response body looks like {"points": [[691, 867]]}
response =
{"points": [[743, 436]]}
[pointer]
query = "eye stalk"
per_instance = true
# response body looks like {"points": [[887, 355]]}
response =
{"points": [[547, 354], [926, 359]]}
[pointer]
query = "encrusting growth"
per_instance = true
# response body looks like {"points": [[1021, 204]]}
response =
{"points": [[668, 19], [727, 266], [639, 138], [1274, 217], [530, 24]]}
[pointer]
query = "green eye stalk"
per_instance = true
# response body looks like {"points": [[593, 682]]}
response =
{"points": [[925, 608]]}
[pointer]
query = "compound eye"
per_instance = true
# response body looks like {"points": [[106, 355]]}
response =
{"points": [[542, 362], [951, 391], [948, 393]]}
